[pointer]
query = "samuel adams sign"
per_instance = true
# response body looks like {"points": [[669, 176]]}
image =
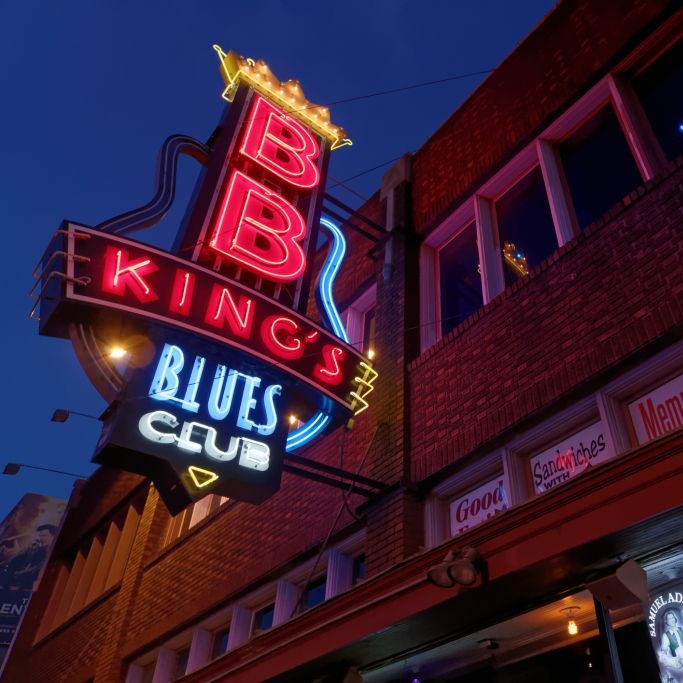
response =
{"points": [[218, 348]]}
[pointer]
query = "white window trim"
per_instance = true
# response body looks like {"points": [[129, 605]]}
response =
{"points": [[354, 316], [649, 375], [470, 477]]}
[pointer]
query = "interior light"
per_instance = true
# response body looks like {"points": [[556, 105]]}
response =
{"points": [[371, 353], [117, 352], [570, 613]]}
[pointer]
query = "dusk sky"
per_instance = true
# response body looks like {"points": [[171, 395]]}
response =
{"points": [[92, 89]]}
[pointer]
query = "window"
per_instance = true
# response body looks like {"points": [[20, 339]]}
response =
{"points": [[459, 279], [358, 572], [359, 320], [315, 593], [219, 644], [263, 618], [660, 90], [369, 328], [525, 226], [598, 165], [93, 568], [192, 515], [147, 673], [181, 659]]}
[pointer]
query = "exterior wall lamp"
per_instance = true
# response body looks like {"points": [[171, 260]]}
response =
{"points": [[461, 567]]}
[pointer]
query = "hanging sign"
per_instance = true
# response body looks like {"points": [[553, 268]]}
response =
{"points": [[230, 347]]}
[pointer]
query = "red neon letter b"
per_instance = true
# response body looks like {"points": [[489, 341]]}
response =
{"points": [[260, 230], [281, 145]]}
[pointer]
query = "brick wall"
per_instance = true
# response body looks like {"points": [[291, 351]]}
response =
{"points": [[604, 296], [576, 45]]}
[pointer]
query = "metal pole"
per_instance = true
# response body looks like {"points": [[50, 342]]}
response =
{"points": [[607, 637]]}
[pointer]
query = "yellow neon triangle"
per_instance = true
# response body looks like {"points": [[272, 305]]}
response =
{"points": [[201, 477]]}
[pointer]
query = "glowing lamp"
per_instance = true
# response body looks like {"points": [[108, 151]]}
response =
{"points": [[570, 613], [116, 352], [292, 419], [371, 353]]}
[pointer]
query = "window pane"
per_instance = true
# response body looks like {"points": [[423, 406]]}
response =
{"points": [[525, 226], [181, 663], [263, 619], [459, 279], [368, 329], [220, 642], [200, 510], [358, 569], [148, 672], [315, 593], [660, 89], [598, 165]]}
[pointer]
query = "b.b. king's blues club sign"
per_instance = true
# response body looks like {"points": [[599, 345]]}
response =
{"points": [[219, 351]]}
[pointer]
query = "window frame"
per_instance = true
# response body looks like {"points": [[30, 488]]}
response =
{"points": [[479, 205]]}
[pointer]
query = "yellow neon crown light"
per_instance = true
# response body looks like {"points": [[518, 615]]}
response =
{"points": [[289, 95]]}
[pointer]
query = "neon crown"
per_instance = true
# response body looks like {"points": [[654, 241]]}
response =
{"points": [[289, 95]]}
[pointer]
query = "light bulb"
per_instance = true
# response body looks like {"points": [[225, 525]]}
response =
{"points": [[572, 628], [117, 352]]}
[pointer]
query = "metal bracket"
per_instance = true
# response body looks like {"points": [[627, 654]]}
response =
{"points": [[332, 476]]}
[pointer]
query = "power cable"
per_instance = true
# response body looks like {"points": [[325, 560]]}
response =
{"points": [[424, 84]]}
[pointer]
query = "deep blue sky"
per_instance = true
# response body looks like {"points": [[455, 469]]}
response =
{"points": [[90, 89]]}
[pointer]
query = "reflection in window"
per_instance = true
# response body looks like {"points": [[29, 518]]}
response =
{"points": [[459, 279], [525, 226], [263, 619], [315, 593], [219, 645], [660, 90], [598, 166]]}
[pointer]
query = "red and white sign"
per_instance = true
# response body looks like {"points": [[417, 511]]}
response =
{"points": [[570, 457], [254, 225], [122, 276], [478, 505], [659, 412]]}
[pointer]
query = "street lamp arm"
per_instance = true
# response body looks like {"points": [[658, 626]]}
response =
{"points": [[14, 467]]}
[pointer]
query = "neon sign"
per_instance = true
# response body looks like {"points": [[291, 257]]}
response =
{"points": [[224, 312], [212, 418], [131, 279]]}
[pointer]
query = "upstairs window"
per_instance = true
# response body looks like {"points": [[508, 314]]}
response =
{"points": [[358, 572], [525, 226], [181, 659], [219, 644], [263, 618], [459, 279], [315, 593], [660, 90], [598, 165], [359, 320], [192, 515]]}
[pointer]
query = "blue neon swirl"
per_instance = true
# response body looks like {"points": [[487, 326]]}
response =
{"points": [[317, 424], [328, 274]]}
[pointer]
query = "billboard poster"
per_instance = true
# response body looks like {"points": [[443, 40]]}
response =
{"points": [[26, 536], [665, 624]]}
